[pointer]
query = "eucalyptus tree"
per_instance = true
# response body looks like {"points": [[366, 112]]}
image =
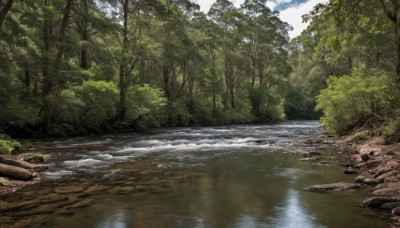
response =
{"points": [[265, 38], [224, 13]]}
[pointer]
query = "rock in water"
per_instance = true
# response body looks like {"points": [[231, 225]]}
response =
{"points": [[378, 201], [341, 186], [350, 171], [16, 172]]}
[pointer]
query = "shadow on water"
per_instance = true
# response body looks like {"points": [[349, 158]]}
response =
{"points": [[235, 176]]}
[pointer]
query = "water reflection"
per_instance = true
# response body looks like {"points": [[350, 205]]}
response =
{"points": [[294, 214]]}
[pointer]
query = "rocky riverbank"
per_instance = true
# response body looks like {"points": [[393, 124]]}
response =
{"points": [[18, 171], [378, 165]]}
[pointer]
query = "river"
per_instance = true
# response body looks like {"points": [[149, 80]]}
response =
{"points": [[228, 176]]}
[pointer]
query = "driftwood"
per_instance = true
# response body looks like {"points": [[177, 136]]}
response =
{"points": [[15, 172], [12, 161]]}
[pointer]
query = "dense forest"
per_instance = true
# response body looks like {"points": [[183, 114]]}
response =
{"points": [[73, 67]]}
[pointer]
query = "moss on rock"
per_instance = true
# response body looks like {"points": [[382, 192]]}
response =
{"points": [[9, 146]]}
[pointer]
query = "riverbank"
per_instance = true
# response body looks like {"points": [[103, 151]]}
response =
{"points": [[379, 165]]}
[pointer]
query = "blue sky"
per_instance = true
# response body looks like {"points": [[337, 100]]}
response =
{"points": [[290, 11]]}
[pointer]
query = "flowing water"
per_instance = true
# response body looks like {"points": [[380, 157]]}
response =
{"points": [[231, 176]]}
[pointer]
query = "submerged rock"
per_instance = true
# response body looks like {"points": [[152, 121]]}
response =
{"points": [[341, 186], [350, 171], [311, 159], [69, 189]]}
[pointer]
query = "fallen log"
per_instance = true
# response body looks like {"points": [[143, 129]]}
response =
{"points": [[15, 172], [12, 161]]}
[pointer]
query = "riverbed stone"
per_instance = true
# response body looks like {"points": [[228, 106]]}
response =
{"points": [[96, 188], [312, 153], [350, 171], [69, 189], [311, 159], [341, 186], [80, 204], [378, 201], [19, 205]]}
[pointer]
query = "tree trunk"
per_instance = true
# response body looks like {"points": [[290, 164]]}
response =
{"points": [[48, 78], [84, 32], [123, 68], [4, 10], [47, 85]]}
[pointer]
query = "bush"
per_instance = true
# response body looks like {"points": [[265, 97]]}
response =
{"points": [[9, 146], [355, 98], [89, 104], [144, 100]]}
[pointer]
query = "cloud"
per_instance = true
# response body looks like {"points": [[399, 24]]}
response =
{"points": [[290, 11], [292, 15]]}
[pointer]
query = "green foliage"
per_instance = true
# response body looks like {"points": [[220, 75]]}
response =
{"points": [[9, 146], [143, 100], [89, 105], [351, 99]]}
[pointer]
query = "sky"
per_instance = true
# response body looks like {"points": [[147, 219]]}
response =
{"points": [[290, 11]]}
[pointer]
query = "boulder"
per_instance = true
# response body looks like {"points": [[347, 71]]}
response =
{"points": [[16, 172], [378, 201], [341, 186]]}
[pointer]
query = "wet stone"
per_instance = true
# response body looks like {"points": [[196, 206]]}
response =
{"points": [[378, 201], [19, 205], [80, 204], [341, 186], [123, 190], [96, 188], [69, 189], [350, 171], [390, 206]]}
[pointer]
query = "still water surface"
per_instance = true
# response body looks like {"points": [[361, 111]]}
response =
{"points": [[232, 176]]}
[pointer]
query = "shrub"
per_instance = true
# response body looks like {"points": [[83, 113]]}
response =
{"points": [[351, 99]]}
